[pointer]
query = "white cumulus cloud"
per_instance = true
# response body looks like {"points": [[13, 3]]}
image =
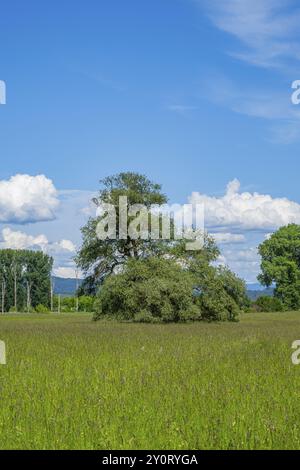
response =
{"points": [[66, 272], [67, 245], [246, 211], [25, 199], [18, 240], [228, 238]]}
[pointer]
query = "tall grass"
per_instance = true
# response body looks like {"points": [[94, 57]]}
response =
{"points": [[74, 384]]}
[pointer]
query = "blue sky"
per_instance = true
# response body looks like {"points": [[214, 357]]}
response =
{"points": [[192, 93]]}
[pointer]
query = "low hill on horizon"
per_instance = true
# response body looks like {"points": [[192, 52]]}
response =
{"points": [[253, 294], [65, 286]]}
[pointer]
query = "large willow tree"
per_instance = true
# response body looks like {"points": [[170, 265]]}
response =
{"points": [[153, 279], [98, 258]]}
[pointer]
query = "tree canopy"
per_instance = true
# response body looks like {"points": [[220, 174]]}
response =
{"points": [[159, 289], [147, 279], [280, 264], [100, 258], [148, 290], [24, 279]]}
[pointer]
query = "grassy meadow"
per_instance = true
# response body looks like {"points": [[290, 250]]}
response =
{"points": [[70, 383]]}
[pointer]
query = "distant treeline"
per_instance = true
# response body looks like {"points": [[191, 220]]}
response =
{"points": [[25, 280], [65, 287]]}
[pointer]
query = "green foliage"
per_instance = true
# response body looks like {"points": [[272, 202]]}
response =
{"points": [[281, 265], [220, 293], [157, 280], [102, 257], [40, 308], [149, 290], [216, 300], [159, 289], [30, 271], [268, 304], [234, 286], [69, 304], [86, 303]]}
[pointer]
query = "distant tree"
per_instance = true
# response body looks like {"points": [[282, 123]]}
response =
{"points": [[86, 303], [37, 269], [266, 303], [65, 303], [40, 308], [280, 265], [68, 304], [24, 275]]}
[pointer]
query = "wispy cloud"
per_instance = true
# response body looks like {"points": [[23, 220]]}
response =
{"points": [[105, 81], [182, 109], [267, 29], [268, 104], [267, 35], [227, 238], [285, 133]]}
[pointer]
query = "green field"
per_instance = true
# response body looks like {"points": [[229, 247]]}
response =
{"points": [[71, 383]]}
